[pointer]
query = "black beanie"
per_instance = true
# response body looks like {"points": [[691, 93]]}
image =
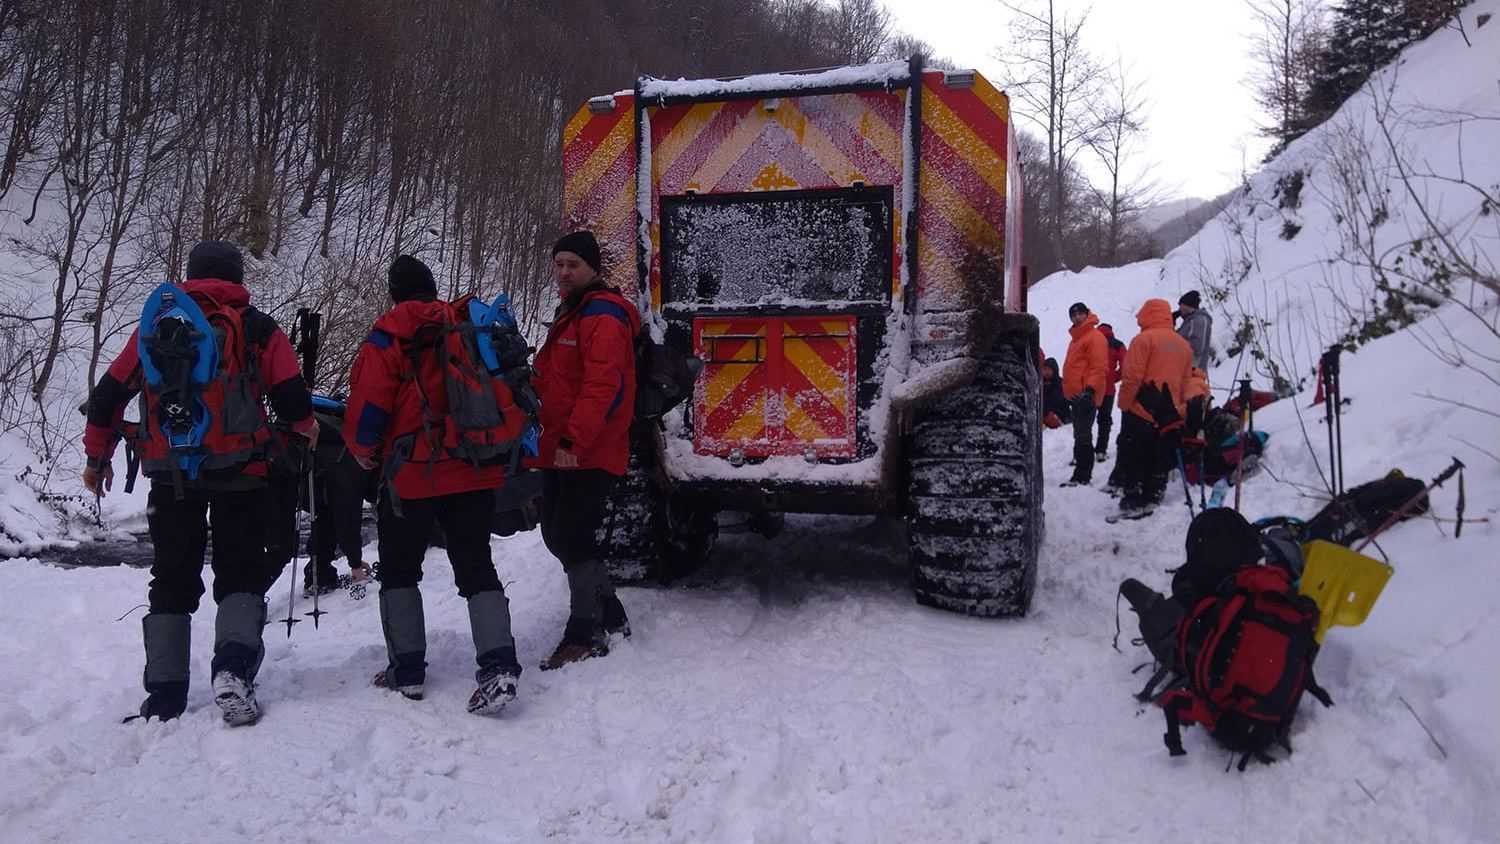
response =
{"points": [[1221, 534], [410, 279], [216, 259], [582, 244], [1190, 298]]}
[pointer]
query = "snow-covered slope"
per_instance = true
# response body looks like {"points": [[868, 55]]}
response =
{"points": [[794, 692]]}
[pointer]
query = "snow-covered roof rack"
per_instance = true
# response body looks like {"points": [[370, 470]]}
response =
{"points": [[879, 76]]}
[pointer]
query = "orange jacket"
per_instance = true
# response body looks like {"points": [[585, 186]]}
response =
{"points": [[1087, 363], [1197, 386], [1158, 362]]}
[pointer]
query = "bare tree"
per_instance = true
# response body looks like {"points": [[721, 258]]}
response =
{"points": [[1119, 113], [1055, 79], [860, 30], [1286, 51]]}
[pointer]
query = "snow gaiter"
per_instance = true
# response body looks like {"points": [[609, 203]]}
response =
{"points": [[405, 628], [237, 629], [168, 639], [588, 583], [494, 646]]}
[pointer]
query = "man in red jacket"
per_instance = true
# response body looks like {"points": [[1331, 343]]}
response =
{"points": [[398, 410], [586, 379], [1111, 378], [228, 497]]}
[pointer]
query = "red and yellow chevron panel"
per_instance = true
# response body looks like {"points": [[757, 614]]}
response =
{"points": [[599, 173], [789, 143], [961, 207], [776, 386]]}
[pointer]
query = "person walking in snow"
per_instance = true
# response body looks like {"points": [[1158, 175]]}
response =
{"points": [[398, 412], [1153, 383], [585, 374], [1111, 378], [1084, 376], [1197, 327], [225, 495]]}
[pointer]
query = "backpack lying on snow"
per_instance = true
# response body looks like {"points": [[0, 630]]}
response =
{"points": [[1235, 638], [1364, 508], [1247, 655]]}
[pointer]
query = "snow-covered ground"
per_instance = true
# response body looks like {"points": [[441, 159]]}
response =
{"points": [[794, 692]]}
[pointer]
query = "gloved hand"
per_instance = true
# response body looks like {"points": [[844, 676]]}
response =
{"points": [[1051, 420]]}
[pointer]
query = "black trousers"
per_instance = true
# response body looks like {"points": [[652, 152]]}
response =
{"points": [[1143, 459], [1105, 421], [339, 484], [1083, 438], [573, 504], [179, 535], [465, 517]]}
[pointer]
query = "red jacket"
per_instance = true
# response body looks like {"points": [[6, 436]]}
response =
{"points": [[280, 377], [1116, 360], [585, 374], [385, 417]]}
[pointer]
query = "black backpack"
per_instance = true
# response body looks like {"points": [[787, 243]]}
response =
{"points": [[1357, 512], [664, 377]]}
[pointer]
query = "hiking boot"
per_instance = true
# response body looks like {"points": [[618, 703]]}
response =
{"points": [[236, 698], [582, 639], [569, 652], [1101, 455], [161, 707], [493, 693], [411, 691], [322, 587], [615, 621]]}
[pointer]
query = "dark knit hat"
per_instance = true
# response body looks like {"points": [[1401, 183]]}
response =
{"points": [[582, 244], [1224, 535], [1191, 299], [410, 279], [1077, 308], [216, 259]]}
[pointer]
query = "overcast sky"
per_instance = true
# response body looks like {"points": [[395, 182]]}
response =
{"points": [[1191, 58]]}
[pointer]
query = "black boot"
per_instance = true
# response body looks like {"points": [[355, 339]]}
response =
{"points": [[168, 639]]}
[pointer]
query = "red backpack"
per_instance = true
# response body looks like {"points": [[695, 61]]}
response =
{"points": [[1247, 654], [201, 408], [482, 417]]}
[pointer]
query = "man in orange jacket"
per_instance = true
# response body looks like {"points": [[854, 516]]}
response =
{"points": [[1153, 389], [1084, 377]]}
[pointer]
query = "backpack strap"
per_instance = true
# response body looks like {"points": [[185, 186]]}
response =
{"points": [[1172, 705]]}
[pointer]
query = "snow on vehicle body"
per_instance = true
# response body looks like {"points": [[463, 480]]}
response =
{"points": [[841, 248]]}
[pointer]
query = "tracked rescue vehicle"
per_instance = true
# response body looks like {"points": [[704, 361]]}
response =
{"points": [[842, 250]]}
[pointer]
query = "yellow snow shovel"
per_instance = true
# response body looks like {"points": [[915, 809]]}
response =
{"points": [[1344, 584]]}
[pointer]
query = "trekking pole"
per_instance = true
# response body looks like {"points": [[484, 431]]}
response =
{"points": [[291, 602], [1412, 502], [1202, 481], [1328, 372], [1239, 465], [312, 525], [1187, 492]]}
